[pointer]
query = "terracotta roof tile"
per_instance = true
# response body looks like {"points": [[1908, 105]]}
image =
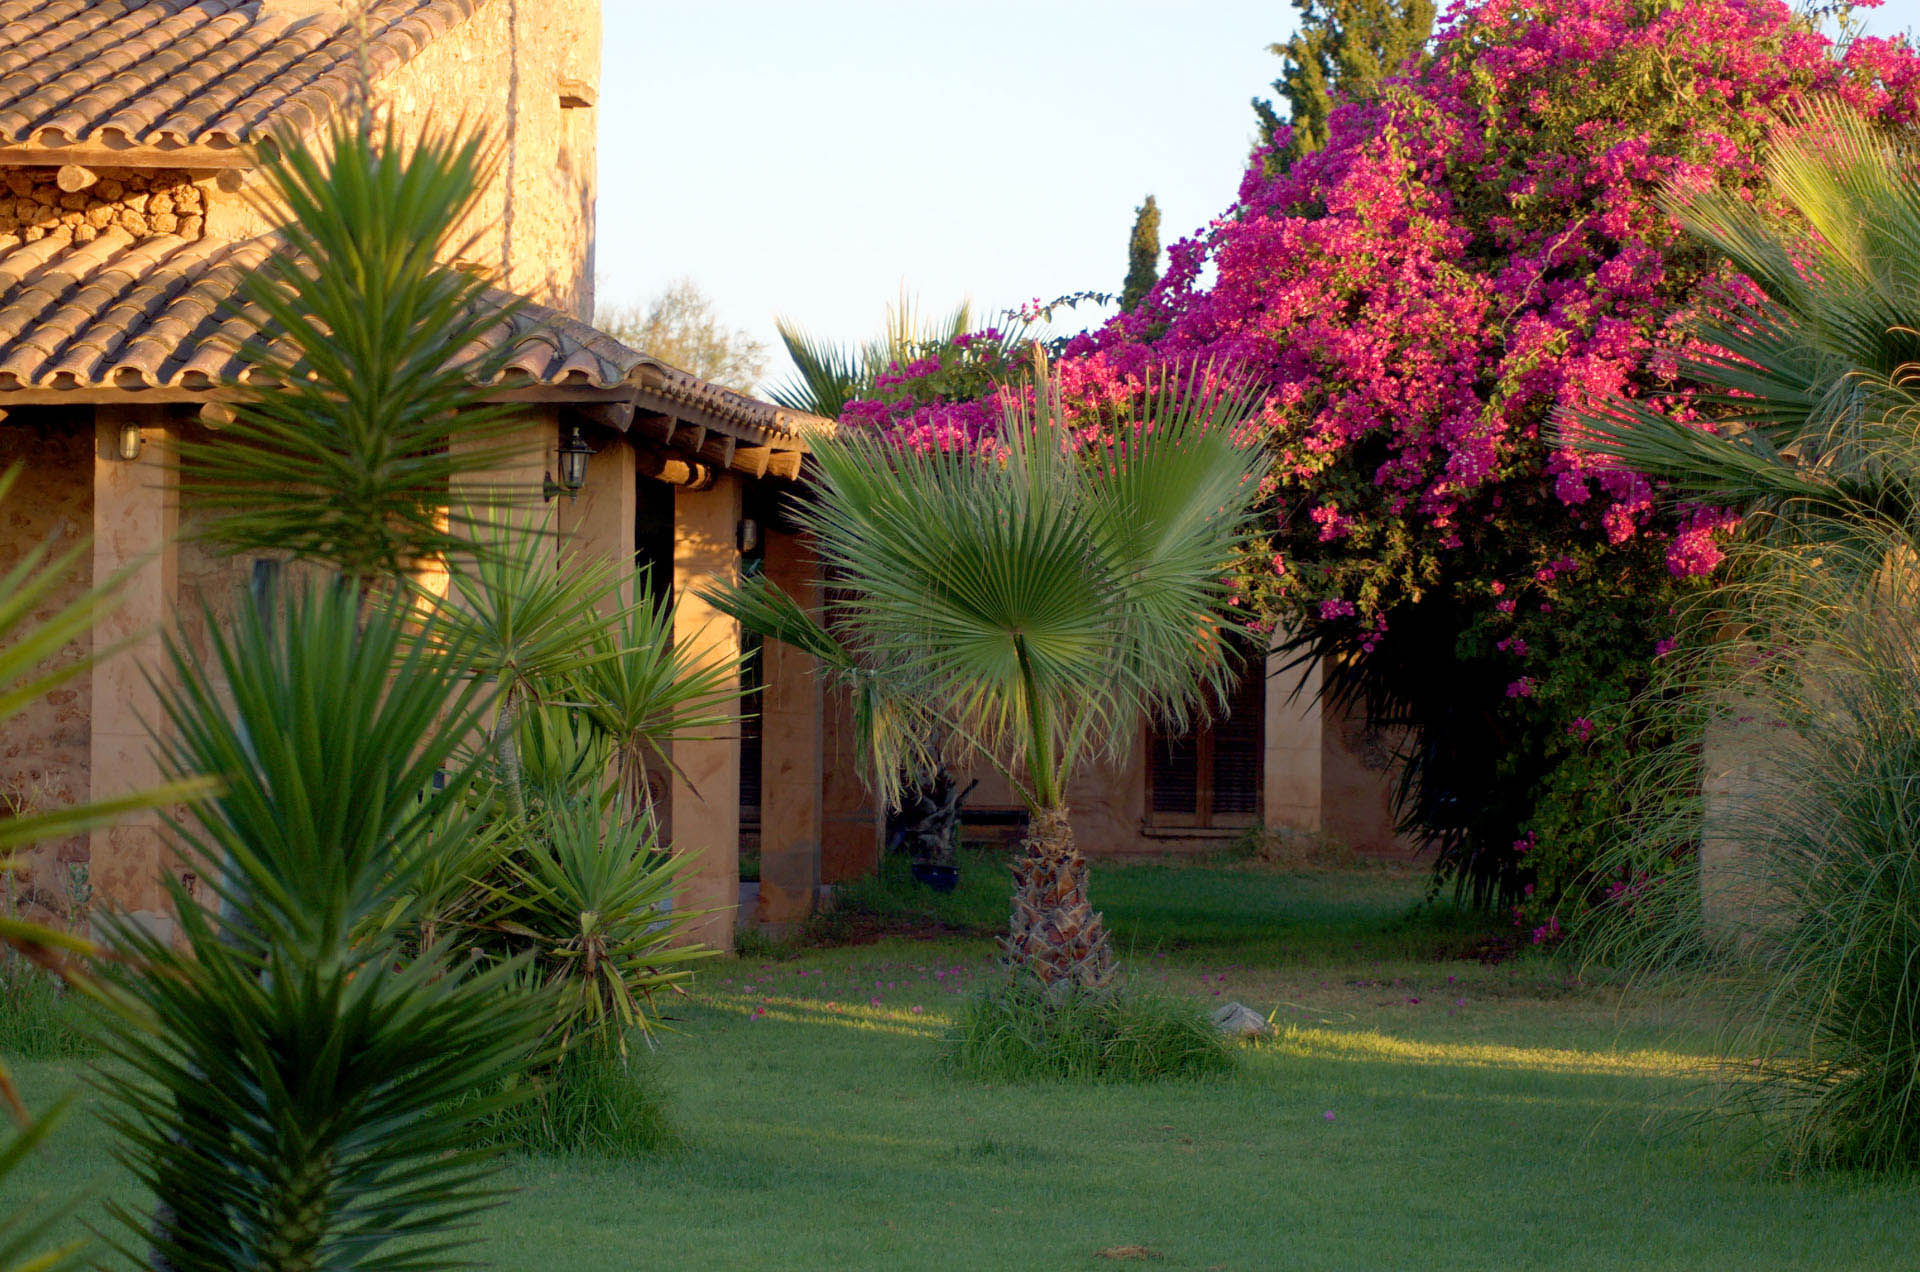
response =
{"points": [[120, 313], [174, 73]]}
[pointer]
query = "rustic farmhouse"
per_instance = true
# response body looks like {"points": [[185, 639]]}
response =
{"points": [[126, 162]]}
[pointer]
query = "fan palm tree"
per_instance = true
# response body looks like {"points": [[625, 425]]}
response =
{"points": [[1810, 374], [1031, 605]]}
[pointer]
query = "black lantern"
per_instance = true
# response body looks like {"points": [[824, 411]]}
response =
{"points": [[573, 465]]}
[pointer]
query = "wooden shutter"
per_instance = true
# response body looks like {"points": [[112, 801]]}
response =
{"points": [[1238, 744], [1173, 775], [1211, 776]]}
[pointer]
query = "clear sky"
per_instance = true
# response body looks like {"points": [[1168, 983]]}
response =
{"points": [[811, 157]]}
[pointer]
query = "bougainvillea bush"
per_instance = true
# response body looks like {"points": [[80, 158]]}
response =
{"points": [[1481, 246]]}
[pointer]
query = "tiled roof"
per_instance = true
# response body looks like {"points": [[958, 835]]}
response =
{"points": [[174, 73], [128, 314]]}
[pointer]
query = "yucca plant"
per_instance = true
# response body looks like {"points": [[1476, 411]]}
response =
{"points": [[586, 896], [369, 397], [1802, 694], [297, 1091], [525, 628], [1035, 604], [643, 692]]}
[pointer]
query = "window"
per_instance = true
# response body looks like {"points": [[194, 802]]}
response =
{"points": [[1209, 777]]}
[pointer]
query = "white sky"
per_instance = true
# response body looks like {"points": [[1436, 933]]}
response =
{"points": [[811, 157]]}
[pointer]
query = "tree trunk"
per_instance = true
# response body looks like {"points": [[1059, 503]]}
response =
{"points": [[1055, 936]]}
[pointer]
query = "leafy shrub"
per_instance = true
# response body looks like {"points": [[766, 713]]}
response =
{"points": [[1018, 1031]]}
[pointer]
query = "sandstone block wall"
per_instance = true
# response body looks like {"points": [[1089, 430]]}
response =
{"points": [[45, 750]]}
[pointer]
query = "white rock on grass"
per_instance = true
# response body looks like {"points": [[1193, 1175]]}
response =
{"points": [[1241, 1021]]}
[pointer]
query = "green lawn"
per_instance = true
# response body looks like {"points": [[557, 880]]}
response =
{"points": [[1422, 1111]]}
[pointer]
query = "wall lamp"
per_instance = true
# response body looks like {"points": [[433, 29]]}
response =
{"points": [[573, 467], [128, 447], [747, 536]]}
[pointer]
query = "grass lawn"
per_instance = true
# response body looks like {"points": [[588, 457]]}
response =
{"points": [[1421, 1110]]}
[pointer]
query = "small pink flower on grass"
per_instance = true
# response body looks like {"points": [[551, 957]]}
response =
{"points": [[1328, 1115]]}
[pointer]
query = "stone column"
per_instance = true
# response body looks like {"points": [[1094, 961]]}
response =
{"points": [[1290, 788], [136, 513], [705, 791], [598, 522], [790, 743]]}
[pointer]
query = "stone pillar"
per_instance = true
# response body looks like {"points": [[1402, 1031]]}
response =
{"points": [[1290, 794], [136, 513], [598, 522], [705, 791], [852, 826], [790, 742]]}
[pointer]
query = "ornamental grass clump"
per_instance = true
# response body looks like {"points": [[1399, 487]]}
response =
{"points": [[1797, 706], [1017, 1031]]}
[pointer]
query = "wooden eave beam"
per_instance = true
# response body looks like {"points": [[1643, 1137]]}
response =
{"points": [[719, 449], [93, 155], [752, 460]]}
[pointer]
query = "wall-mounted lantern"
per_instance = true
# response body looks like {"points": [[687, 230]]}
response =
{"points": [[573, 466], [128, 448], [747, 536]]}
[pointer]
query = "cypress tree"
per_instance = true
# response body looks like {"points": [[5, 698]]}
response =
{"points": [[1342, 52], [1143, 255]]}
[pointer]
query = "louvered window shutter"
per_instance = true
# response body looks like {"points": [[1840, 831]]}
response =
{"points": [[1211, 776]]}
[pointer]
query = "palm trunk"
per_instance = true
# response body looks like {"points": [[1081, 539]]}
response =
{"points": [[1054, 935]]}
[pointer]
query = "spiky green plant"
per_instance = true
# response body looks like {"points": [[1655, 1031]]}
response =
{"points": [[643, 692], [295, 1093], [827, 376], [1798, 708], [370, 395], [1035, 604], [587, 895]]}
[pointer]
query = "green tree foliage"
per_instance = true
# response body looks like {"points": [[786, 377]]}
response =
{"points": [[1342, 51], [681, 327], [1143, 254]]}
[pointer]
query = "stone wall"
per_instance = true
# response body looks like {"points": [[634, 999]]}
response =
{"points": [[45, 750], [1357, 780], [526, 72], [138, 202]]}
